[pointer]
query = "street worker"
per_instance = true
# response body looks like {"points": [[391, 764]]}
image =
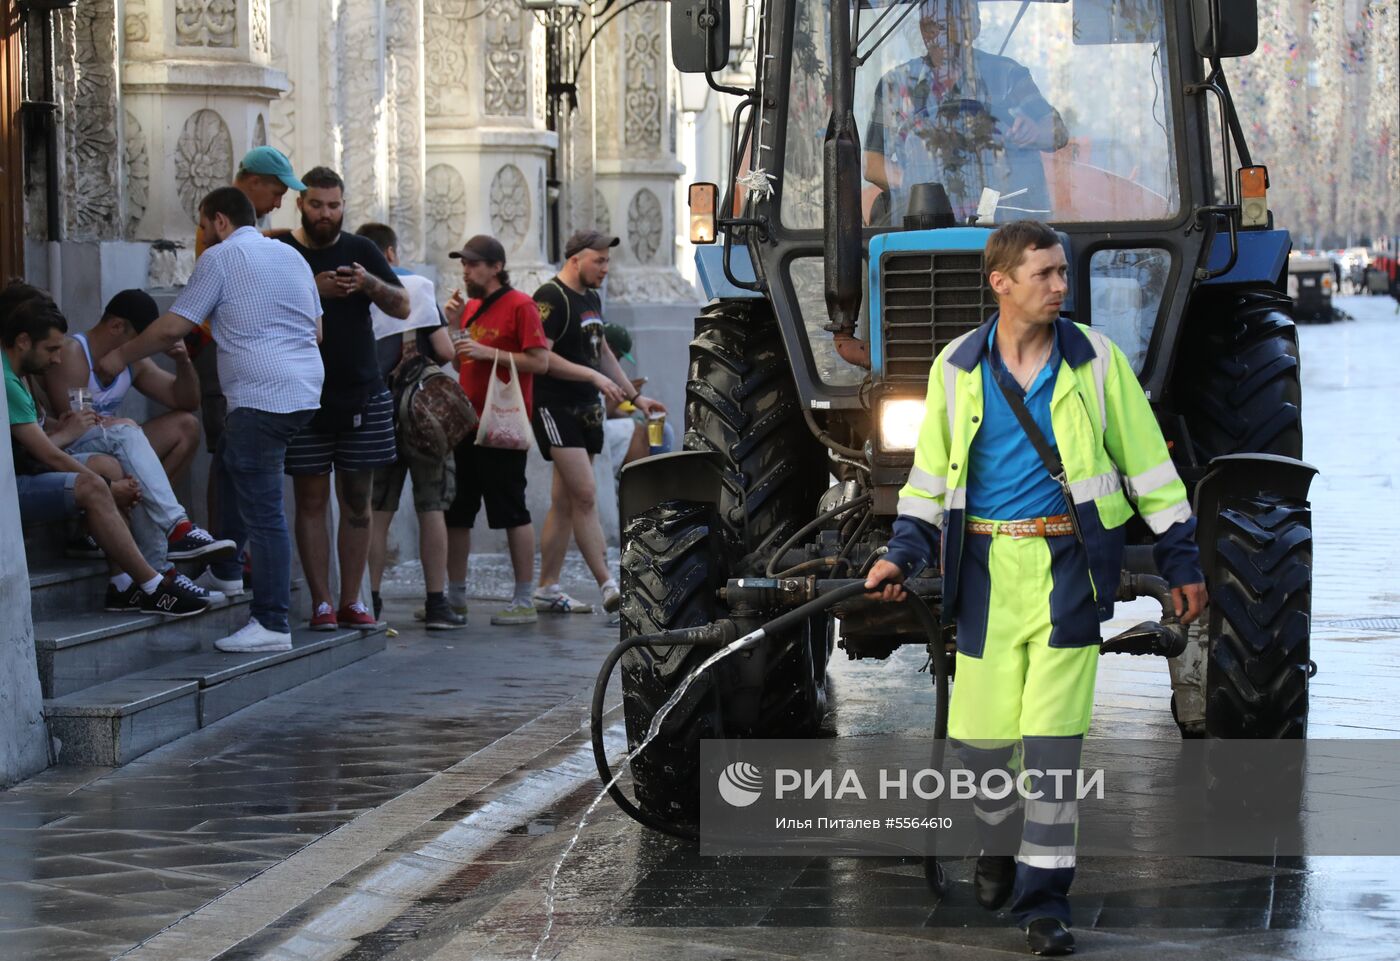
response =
{"points": [[1025, 581]]}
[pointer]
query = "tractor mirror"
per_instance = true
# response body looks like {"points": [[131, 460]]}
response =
{"points": [[1225, 28], [699, 35], [704, 198]]}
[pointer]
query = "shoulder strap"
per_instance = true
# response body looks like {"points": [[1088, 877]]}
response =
{"points": [[485, 304], [1048, 455], [568, 307]]}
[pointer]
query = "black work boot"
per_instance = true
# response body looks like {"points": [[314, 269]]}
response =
{"points": [[438, 615], [993, 880], [1049, 937]]}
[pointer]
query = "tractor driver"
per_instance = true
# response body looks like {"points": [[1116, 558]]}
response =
{"points": [[1024, 584], [961, 117]]}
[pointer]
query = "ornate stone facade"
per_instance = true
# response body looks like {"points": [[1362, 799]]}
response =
{"points": [[91, 156], [203, 158], [206, 23]]}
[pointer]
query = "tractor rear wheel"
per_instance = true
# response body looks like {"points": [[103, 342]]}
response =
{"points": [[1257, 664], [1239, 381]]}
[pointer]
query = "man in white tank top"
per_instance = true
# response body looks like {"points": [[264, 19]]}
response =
{"points": [[174, 435]]}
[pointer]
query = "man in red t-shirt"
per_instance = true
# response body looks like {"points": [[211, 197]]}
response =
{"points": [[496, 322]]}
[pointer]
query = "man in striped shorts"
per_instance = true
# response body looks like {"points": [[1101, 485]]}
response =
{"points": [[354, 429]]}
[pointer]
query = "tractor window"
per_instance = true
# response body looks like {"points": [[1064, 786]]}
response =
{"points": [[1015, 108], [1125, 293]]}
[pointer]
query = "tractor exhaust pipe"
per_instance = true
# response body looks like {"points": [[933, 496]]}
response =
{"points": [[841, 185]]}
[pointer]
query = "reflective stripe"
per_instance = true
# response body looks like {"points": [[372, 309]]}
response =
{"points": [[922, 508], [1052, 812], [957, 499], [1040, 856], [1092, 488], [1103, 356], [1162, 520], [950, 385], [1149, 480], [928, 483], [997, 816]]}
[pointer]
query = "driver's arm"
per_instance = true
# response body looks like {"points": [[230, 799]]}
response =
{"points": [[1037, 125], [877, 169]]}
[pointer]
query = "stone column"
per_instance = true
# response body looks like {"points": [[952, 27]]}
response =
{"points": [[636, 172], [487, 148], [197, 86]]}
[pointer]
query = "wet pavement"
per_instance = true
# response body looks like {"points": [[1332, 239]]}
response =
{"points": [[410, 807]]}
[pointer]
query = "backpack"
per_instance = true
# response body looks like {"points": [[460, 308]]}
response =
{"points": [[432, 413]]}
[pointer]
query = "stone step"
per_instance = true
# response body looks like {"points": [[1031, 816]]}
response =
{"points": [[112, 723], [64, 587], [79, 650]]}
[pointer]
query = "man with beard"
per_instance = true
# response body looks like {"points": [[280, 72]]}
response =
{"points": [[354, 429], [260, 299], [497, 322], [568, 418]]}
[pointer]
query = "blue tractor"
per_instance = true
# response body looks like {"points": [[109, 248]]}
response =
{"points": [[879, 144]]}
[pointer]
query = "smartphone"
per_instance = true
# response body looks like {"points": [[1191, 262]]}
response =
{"points": [[345, 271]]}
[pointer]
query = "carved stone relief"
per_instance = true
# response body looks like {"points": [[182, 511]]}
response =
{"points": [[602, 219], [203, 158], [445, 57], [606, 65], [404, 79], [650, 285], [506, 83], [644, 225], [539, 192], [444, 210], [361, 105], [260, 132], [259, 27], [91, 151], [283, 112], [136, 27], [643, 53], [510, 207], [138, 173], [206, 23]]}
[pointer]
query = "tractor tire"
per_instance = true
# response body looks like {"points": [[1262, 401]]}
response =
{"points": [[741, 401], [671, 573], [672, 568], [1239, 381], [1260, 605]]}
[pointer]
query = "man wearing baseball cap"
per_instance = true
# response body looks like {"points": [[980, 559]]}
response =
{"points": [[569, 416], [174, 435]]}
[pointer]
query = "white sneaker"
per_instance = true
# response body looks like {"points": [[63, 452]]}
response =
{"points": [[210, 583], [254, 637], [612, 598]]}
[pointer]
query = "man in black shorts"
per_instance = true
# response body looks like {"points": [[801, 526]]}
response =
{"points": [[354, 429], [568, 417]]}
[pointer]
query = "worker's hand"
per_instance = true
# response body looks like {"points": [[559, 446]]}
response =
{"points": [[648, 405], [1190, 601], [888, 574]]}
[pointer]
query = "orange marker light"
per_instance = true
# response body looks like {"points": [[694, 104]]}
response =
{"points": [[1254, 196]]}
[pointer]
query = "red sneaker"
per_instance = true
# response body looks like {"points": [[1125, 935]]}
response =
{"points": [[357, 615], [324, 619]]}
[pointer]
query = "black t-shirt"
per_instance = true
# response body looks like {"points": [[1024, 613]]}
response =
{"points": [[574, 322], [348, 348]]}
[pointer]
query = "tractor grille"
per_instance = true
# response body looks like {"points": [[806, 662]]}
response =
{"points": [[929, 299]]}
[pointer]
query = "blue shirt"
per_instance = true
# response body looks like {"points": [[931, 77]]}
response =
{"points": [[262, 305], [1006, 479]]}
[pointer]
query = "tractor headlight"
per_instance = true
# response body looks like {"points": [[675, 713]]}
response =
{"points": [[900, 419]]}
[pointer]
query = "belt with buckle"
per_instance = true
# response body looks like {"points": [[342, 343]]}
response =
{"points": [[1056, 526]]}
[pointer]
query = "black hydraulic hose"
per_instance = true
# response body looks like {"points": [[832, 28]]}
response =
{"points": [[812, 525], [709, 636]]}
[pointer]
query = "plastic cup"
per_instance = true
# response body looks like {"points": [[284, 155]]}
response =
{"points": [[656, 432], [79, 398]]}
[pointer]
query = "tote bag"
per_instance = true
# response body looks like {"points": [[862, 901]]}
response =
{"points": [[504, 421]]}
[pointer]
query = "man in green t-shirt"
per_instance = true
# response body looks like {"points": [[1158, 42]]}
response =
{"points": [[60, 486]]}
